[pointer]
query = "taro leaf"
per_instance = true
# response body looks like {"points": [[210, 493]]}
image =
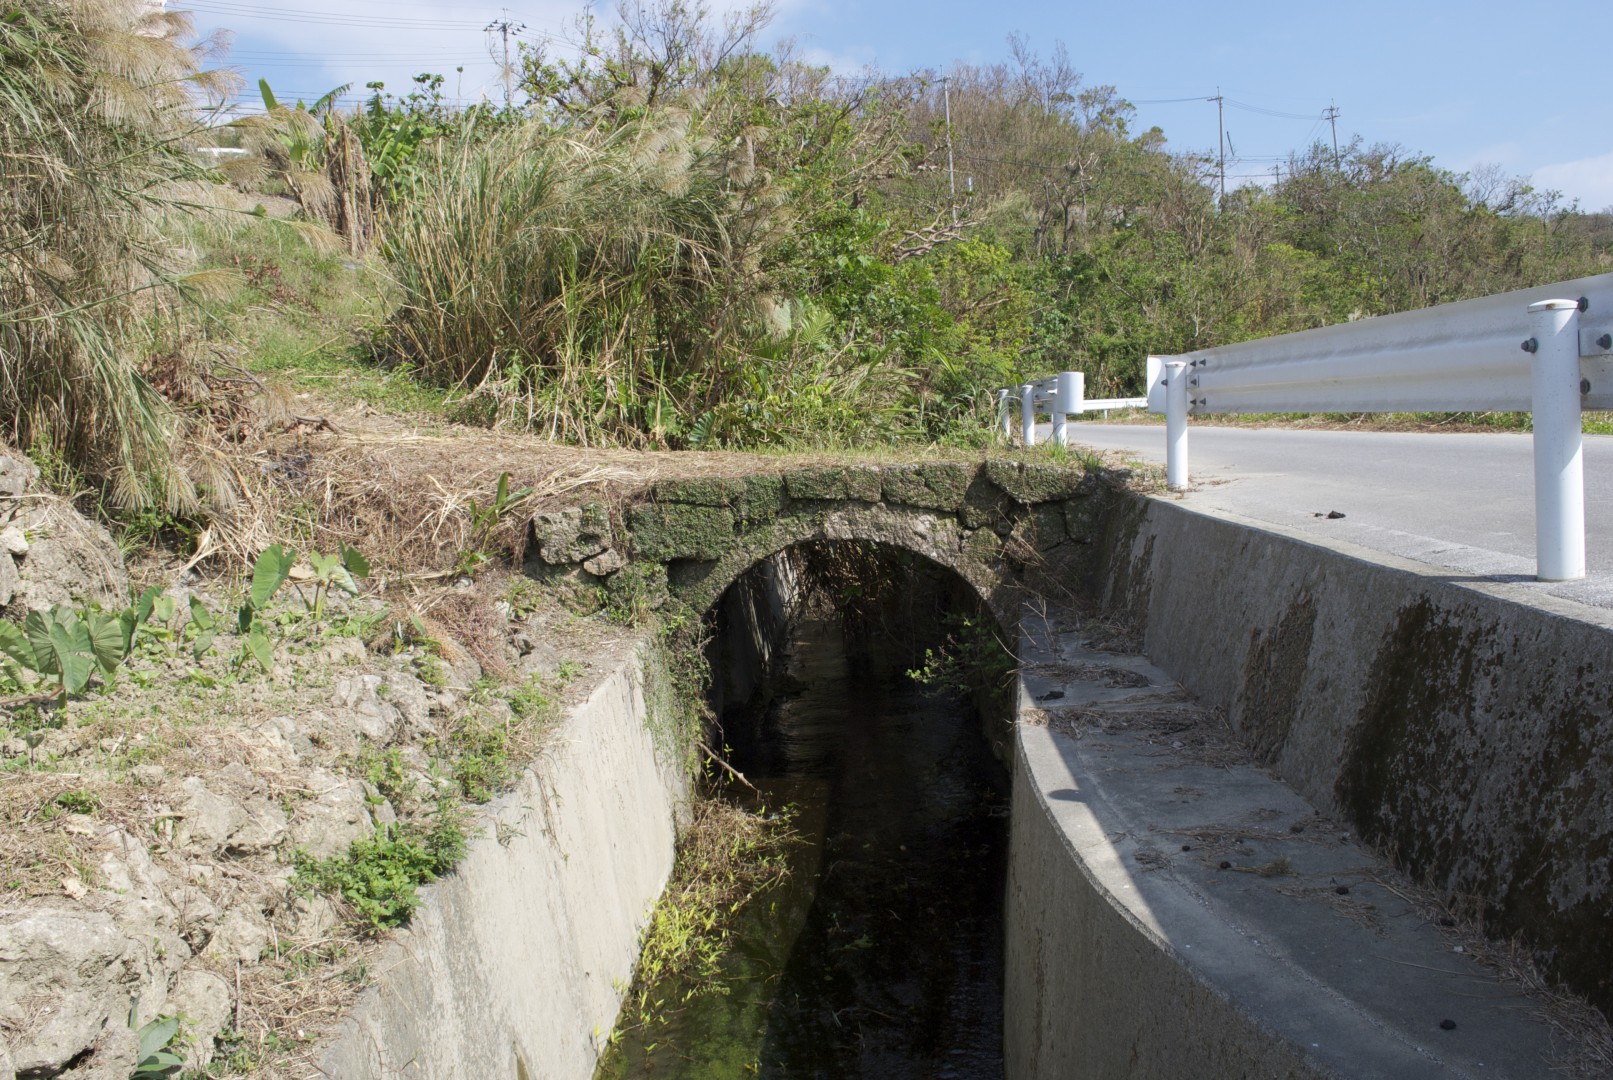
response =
{"points": [[206, 628], [144, 606], [108, 643], [14, 643], [244, 617], [74, 653], [262, 650], [355, 563], [269, 573], [163, 609], [38, 631], [128, 620], [324, 565], [156, 1035]]}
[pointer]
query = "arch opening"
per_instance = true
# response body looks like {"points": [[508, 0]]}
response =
{"points": [[882, 954]]}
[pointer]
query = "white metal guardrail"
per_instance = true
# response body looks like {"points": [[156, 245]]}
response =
{"points": [[1062, 396], [1547, 351]]}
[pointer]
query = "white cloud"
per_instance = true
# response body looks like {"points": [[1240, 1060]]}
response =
{"points": [[1590, 180]]}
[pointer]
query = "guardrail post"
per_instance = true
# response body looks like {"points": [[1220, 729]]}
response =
{"points": [[1176, 425], [1027, 414], [1005, 417], [1559, 443], [1067, 394]]}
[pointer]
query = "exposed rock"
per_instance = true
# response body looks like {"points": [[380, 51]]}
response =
{"points": [[337, 815], [573, 534], [7, 1070], [241, 935], [315, 915], [116, 1054], [70, 560], [357, 697], [605, 563], [243, 824], [207, 819], [17, 474], [407, 694], [9, 580], [64, 978], [202, 1000]]}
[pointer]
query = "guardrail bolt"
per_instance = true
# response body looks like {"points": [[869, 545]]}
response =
{"points": [[1530, 345], [1605, 341], [1584, 386], [1584, 303]]}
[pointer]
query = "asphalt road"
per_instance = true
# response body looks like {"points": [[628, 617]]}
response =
{"points": [[1461, 502]]}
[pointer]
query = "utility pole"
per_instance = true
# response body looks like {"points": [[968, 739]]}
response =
{"points": [[1331, 115], [504, 28], [946, 106], [1221, 132]]}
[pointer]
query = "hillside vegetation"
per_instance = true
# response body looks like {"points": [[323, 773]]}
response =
{"points": [[680, 239]]}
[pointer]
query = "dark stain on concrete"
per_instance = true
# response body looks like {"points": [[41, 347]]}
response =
{"points": [[1274, 677]]}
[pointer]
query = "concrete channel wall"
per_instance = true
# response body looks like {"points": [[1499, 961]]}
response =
{"points": [[515, 965], [1463, 727]]}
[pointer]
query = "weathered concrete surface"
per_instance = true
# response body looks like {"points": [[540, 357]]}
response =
{"points": [[514, 965], [1465, 726], [1173, 912]]}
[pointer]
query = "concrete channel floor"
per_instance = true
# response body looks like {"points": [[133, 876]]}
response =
{"points": [[1267, 901]]}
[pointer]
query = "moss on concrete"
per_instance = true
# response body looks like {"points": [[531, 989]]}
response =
{"points": [[675, 530]]}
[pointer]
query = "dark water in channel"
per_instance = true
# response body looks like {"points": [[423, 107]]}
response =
{"points": [[882, 956]]}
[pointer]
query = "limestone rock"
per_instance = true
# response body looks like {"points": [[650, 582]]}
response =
{"points": [[328, 824], [360, 702], [243, 824], [573, 534], [70, 560], [116, 1054], [932, 486], [241, 935], [605, 563], [202, 1000], [7, 1070], [407, 694], [64, 978], [17, 474]]}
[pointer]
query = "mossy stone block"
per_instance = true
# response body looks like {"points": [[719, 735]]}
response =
{"points": [[818, 485], [701, 491], [934, 486], [663, 531], [984, 505], [1031, 482], [865, 483], [761, 499], [983, 546]]}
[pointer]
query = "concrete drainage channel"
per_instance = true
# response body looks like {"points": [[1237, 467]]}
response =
{"points": [[1175, 909]]}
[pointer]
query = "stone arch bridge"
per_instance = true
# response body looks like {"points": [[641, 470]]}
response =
{"points": [[1001, 525]]}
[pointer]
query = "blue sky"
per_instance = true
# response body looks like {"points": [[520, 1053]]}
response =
{"points": [[1470, 83]]}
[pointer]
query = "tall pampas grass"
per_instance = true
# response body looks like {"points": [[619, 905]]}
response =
{"points": [[98, 106]]}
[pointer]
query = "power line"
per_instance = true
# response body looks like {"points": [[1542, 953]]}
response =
{"points": [[326, 18]]}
